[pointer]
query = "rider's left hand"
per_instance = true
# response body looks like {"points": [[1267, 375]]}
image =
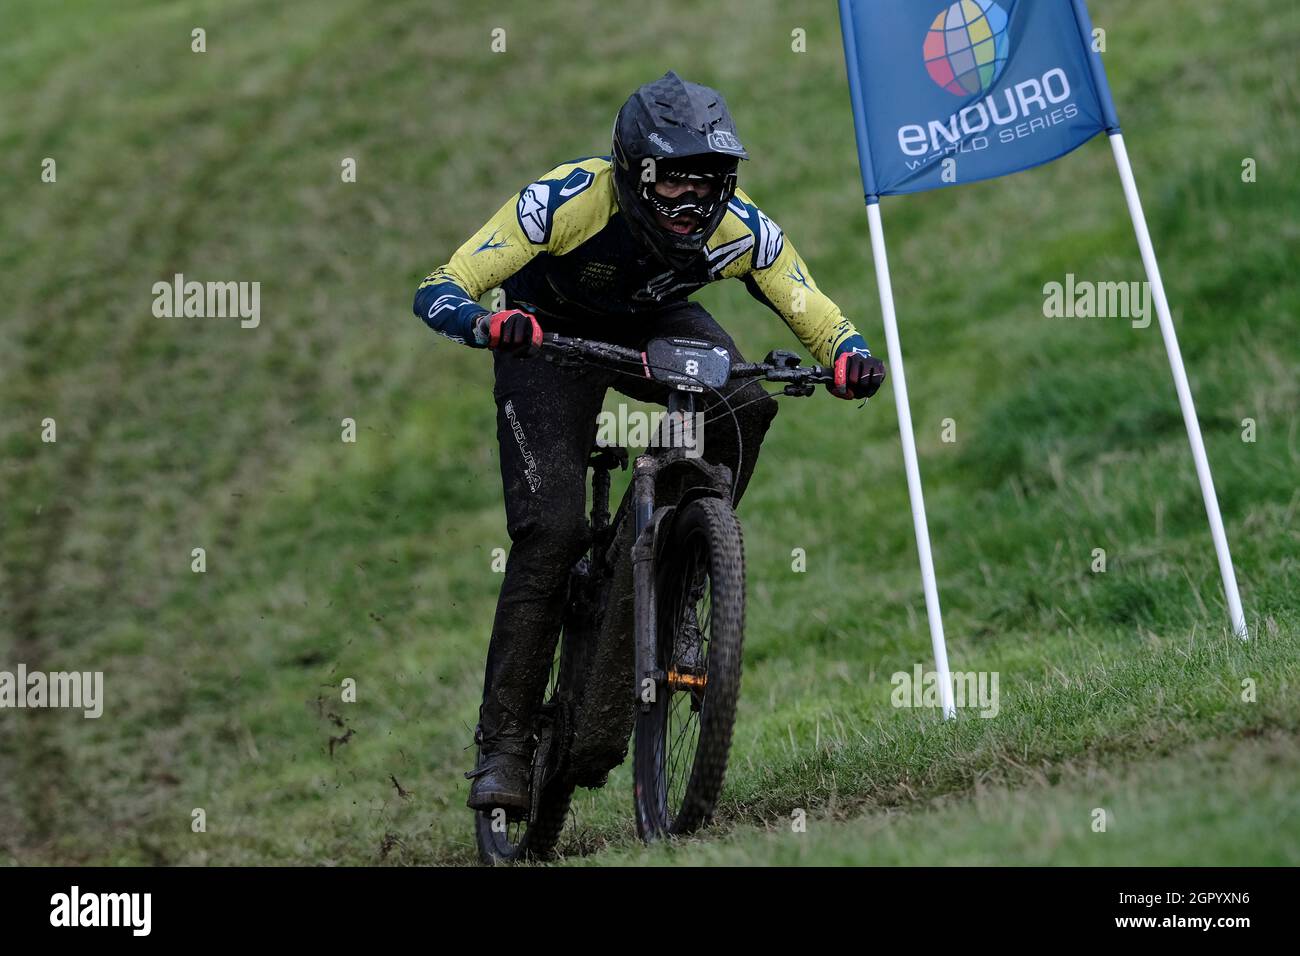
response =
{"points": [[857, 375]]}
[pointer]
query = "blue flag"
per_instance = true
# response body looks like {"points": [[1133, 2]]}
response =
{"points": [[996, 86]]}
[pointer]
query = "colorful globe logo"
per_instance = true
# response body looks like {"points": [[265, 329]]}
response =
{"points": [[966, 48]]}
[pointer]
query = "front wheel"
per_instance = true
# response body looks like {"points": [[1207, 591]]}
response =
{"points": [[683, 740]]}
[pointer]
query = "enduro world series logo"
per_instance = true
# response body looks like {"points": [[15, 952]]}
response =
{"points": [[966, 50]]}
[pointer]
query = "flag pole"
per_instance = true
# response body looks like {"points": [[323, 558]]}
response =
{"points": [[1235, 613], [897, 376]]}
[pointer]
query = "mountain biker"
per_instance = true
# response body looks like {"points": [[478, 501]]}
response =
{"points": [[610, 248]]}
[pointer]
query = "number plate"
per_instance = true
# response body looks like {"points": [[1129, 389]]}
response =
{"points": [[688, 365]]}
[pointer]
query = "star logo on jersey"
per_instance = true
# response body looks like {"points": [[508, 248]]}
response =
{"points": [[533, 211], [490, 243]]}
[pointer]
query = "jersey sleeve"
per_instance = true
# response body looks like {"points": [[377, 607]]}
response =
{"points": [[777, 276], [553, 215]]}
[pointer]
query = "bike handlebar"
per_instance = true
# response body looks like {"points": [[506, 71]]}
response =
{"points": [[780, 367], [567, 346]]}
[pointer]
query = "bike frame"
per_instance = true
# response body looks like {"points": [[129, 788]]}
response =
{"points": [[669, 474]]}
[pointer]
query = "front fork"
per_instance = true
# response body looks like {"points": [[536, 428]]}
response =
{"points": [[680, 471], [648, 675]]}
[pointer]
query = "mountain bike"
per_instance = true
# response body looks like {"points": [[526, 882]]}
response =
{"points": [[654, 621]]}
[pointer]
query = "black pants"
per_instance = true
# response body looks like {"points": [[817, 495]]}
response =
{"points": [[546, 427]]}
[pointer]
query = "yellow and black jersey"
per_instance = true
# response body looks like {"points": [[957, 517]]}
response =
{"points": [[562, 245]]}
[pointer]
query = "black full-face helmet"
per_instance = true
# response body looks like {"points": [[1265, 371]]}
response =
{"points": [[677, 131]]}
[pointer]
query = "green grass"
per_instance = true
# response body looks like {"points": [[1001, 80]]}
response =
{"points": [[372, 560], [1223, 800]]}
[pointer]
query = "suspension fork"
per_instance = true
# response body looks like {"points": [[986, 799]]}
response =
{"points": [[647, 518], [648, 677]]}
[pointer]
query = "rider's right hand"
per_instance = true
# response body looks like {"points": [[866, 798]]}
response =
{"points": [[514, 332]]}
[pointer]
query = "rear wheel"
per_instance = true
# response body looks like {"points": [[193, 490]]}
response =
{"points": [[508, 839], [683, 741], [504, 838]]}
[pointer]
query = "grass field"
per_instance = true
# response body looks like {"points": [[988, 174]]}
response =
{"points": [[372, 561]]}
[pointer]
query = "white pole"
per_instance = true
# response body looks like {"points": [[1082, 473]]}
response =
{"points": [[1235, 613], [909, 458]]}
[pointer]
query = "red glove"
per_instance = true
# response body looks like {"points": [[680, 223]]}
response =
{"points": [[514, 332], [857, 375]]}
